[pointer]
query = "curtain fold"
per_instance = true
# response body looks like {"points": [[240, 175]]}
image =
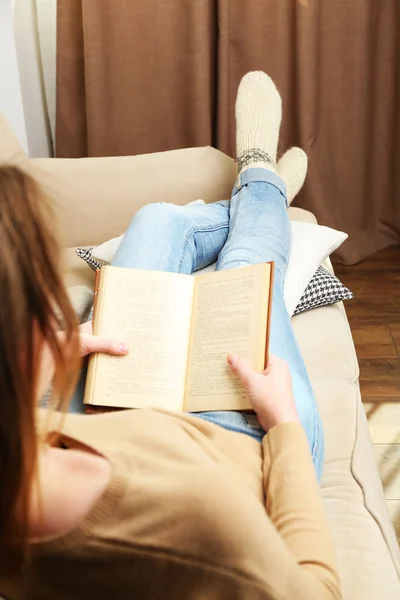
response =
{"points": [[46, 20], [151, 76], [134, 77]]}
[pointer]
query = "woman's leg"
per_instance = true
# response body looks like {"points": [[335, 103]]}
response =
{"points": [[184, 239], [259, 231], [178, 239]]}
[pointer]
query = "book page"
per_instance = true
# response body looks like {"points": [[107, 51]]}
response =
{"points": [[230, 314], [151, 311]]}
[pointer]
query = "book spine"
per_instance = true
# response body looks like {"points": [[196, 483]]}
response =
{"points": [[92, 363], [271, 293], [96, 293]]}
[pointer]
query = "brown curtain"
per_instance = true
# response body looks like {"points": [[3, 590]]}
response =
{"points": [[153, 75]]}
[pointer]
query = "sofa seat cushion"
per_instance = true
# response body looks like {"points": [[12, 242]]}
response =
{"points": [[326, 343], [367, 551]]}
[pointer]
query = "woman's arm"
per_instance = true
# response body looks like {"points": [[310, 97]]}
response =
{"points": [[294, 505], [293, 499]]}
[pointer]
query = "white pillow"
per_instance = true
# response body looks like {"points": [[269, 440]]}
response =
{"points": [[105, 252], [311, 245]]}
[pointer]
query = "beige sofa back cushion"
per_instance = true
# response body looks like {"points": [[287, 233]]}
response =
{"points": [[84, 189], [97, 197]]}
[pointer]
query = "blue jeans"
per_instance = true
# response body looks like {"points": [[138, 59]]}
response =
{"points": [[252, 228]]}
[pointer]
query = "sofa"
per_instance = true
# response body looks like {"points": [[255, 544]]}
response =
{"points": [[95, 199]]}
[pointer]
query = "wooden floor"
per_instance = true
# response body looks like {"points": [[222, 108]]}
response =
{"points": [[374, 316]]}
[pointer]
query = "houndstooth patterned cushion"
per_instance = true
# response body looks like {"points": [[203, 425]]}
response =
{"points": [[86, 255], [324, 288]]}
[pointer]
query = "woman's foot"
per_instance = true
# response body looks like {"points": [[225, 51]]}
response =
{"points": [[258, 120], [292, 168]]}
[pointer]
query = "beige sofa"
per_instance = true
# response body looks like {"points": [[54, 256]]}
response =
{"points": [[96, 199]]}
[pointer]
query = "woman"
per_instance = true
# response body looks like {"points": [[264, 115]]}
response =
{"points": [[148, 503]]}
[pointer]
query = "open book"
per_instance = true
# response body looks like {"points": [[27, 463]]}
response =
{"points": [[180, 330]]}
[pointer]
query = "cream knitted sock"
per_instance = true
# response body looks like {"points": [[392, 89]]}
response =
{"points": [[258, 119], [292, 168]]}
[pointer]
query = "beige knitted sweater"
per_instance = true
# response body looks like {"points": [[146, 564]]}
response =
{"points": [[192, 512]]}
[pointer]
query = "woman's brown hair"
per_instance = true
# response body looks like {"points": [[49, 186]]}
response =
{"points": [[34, 308]]}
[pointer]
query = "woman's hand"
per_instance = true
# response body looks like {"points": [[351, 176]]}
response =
{"points": [[270, 392], [88, 343], [92, 343]]}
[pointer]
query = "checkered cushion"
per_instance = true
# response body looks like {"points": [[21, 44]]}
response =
{"points": [[323, 289], [86, 255]]}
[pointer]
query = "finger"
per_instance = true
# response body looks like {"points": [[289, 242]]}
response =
{"points": [[94, 343], [241, 368], [86, 327]]}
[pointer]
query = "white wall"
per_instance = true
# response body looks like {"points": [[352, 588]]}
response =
{"points": [[31, 78], [10, 90], [22, 98]]}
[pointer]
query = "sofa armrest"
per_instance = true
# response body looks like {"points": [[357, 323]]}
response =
{"points": [[96, 198]]}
